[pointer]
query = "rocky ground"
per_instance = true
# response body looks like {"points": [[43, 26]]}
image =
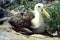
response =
{"points": [[6, 33]]}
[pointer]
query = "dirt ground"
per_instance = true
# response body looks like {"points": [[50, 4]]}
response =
{"points": [[6, 33]]}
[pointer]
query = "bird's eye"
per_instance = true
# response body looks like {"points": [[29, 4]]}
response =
{"points": [[38, 6], [22, 14]]}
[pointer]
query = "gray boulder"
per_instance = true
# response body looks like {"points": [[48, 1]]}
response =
{"points": [[21, 8], [4, 3], [4, 15]]}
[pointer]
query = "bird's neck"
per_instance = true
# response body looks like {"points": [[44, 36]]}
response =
{"points": [[38, 14], [38, 20], [38, 17]]}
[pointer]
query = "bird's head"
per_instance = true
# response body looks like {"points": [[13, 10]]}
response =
{"points": [[40, 8]]}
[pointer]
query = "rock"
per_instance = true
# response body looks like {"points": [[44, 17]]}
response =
{"points": [[21, 8], [54, 33], [4, 3], [4, 15], [11, 36], [38, 35], [17, 10]]}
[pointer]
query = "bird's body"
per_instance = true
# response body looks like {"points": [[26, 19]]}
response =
{"points": [[21, 22], [28, 20]]}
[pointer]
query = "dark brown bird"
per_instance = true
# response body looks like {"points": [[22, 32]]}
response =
{"points": [[21, 22]]}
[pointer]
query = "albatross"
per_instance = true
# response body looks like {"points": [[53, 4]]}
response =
{"points": [[38, 22], [34, 20]]}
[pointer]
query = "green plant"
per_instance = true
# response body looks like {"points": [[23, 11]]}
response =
{"points": [[58, 0], [54, 22], [12, 6], [27, 4]]}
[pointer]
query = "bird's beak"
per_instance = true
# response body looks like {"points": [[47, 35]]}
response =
{"points": [[45, 12]]}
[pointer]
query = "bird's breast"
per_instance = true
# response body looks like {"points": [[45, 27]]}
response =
{"points": [[37, 22]]}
